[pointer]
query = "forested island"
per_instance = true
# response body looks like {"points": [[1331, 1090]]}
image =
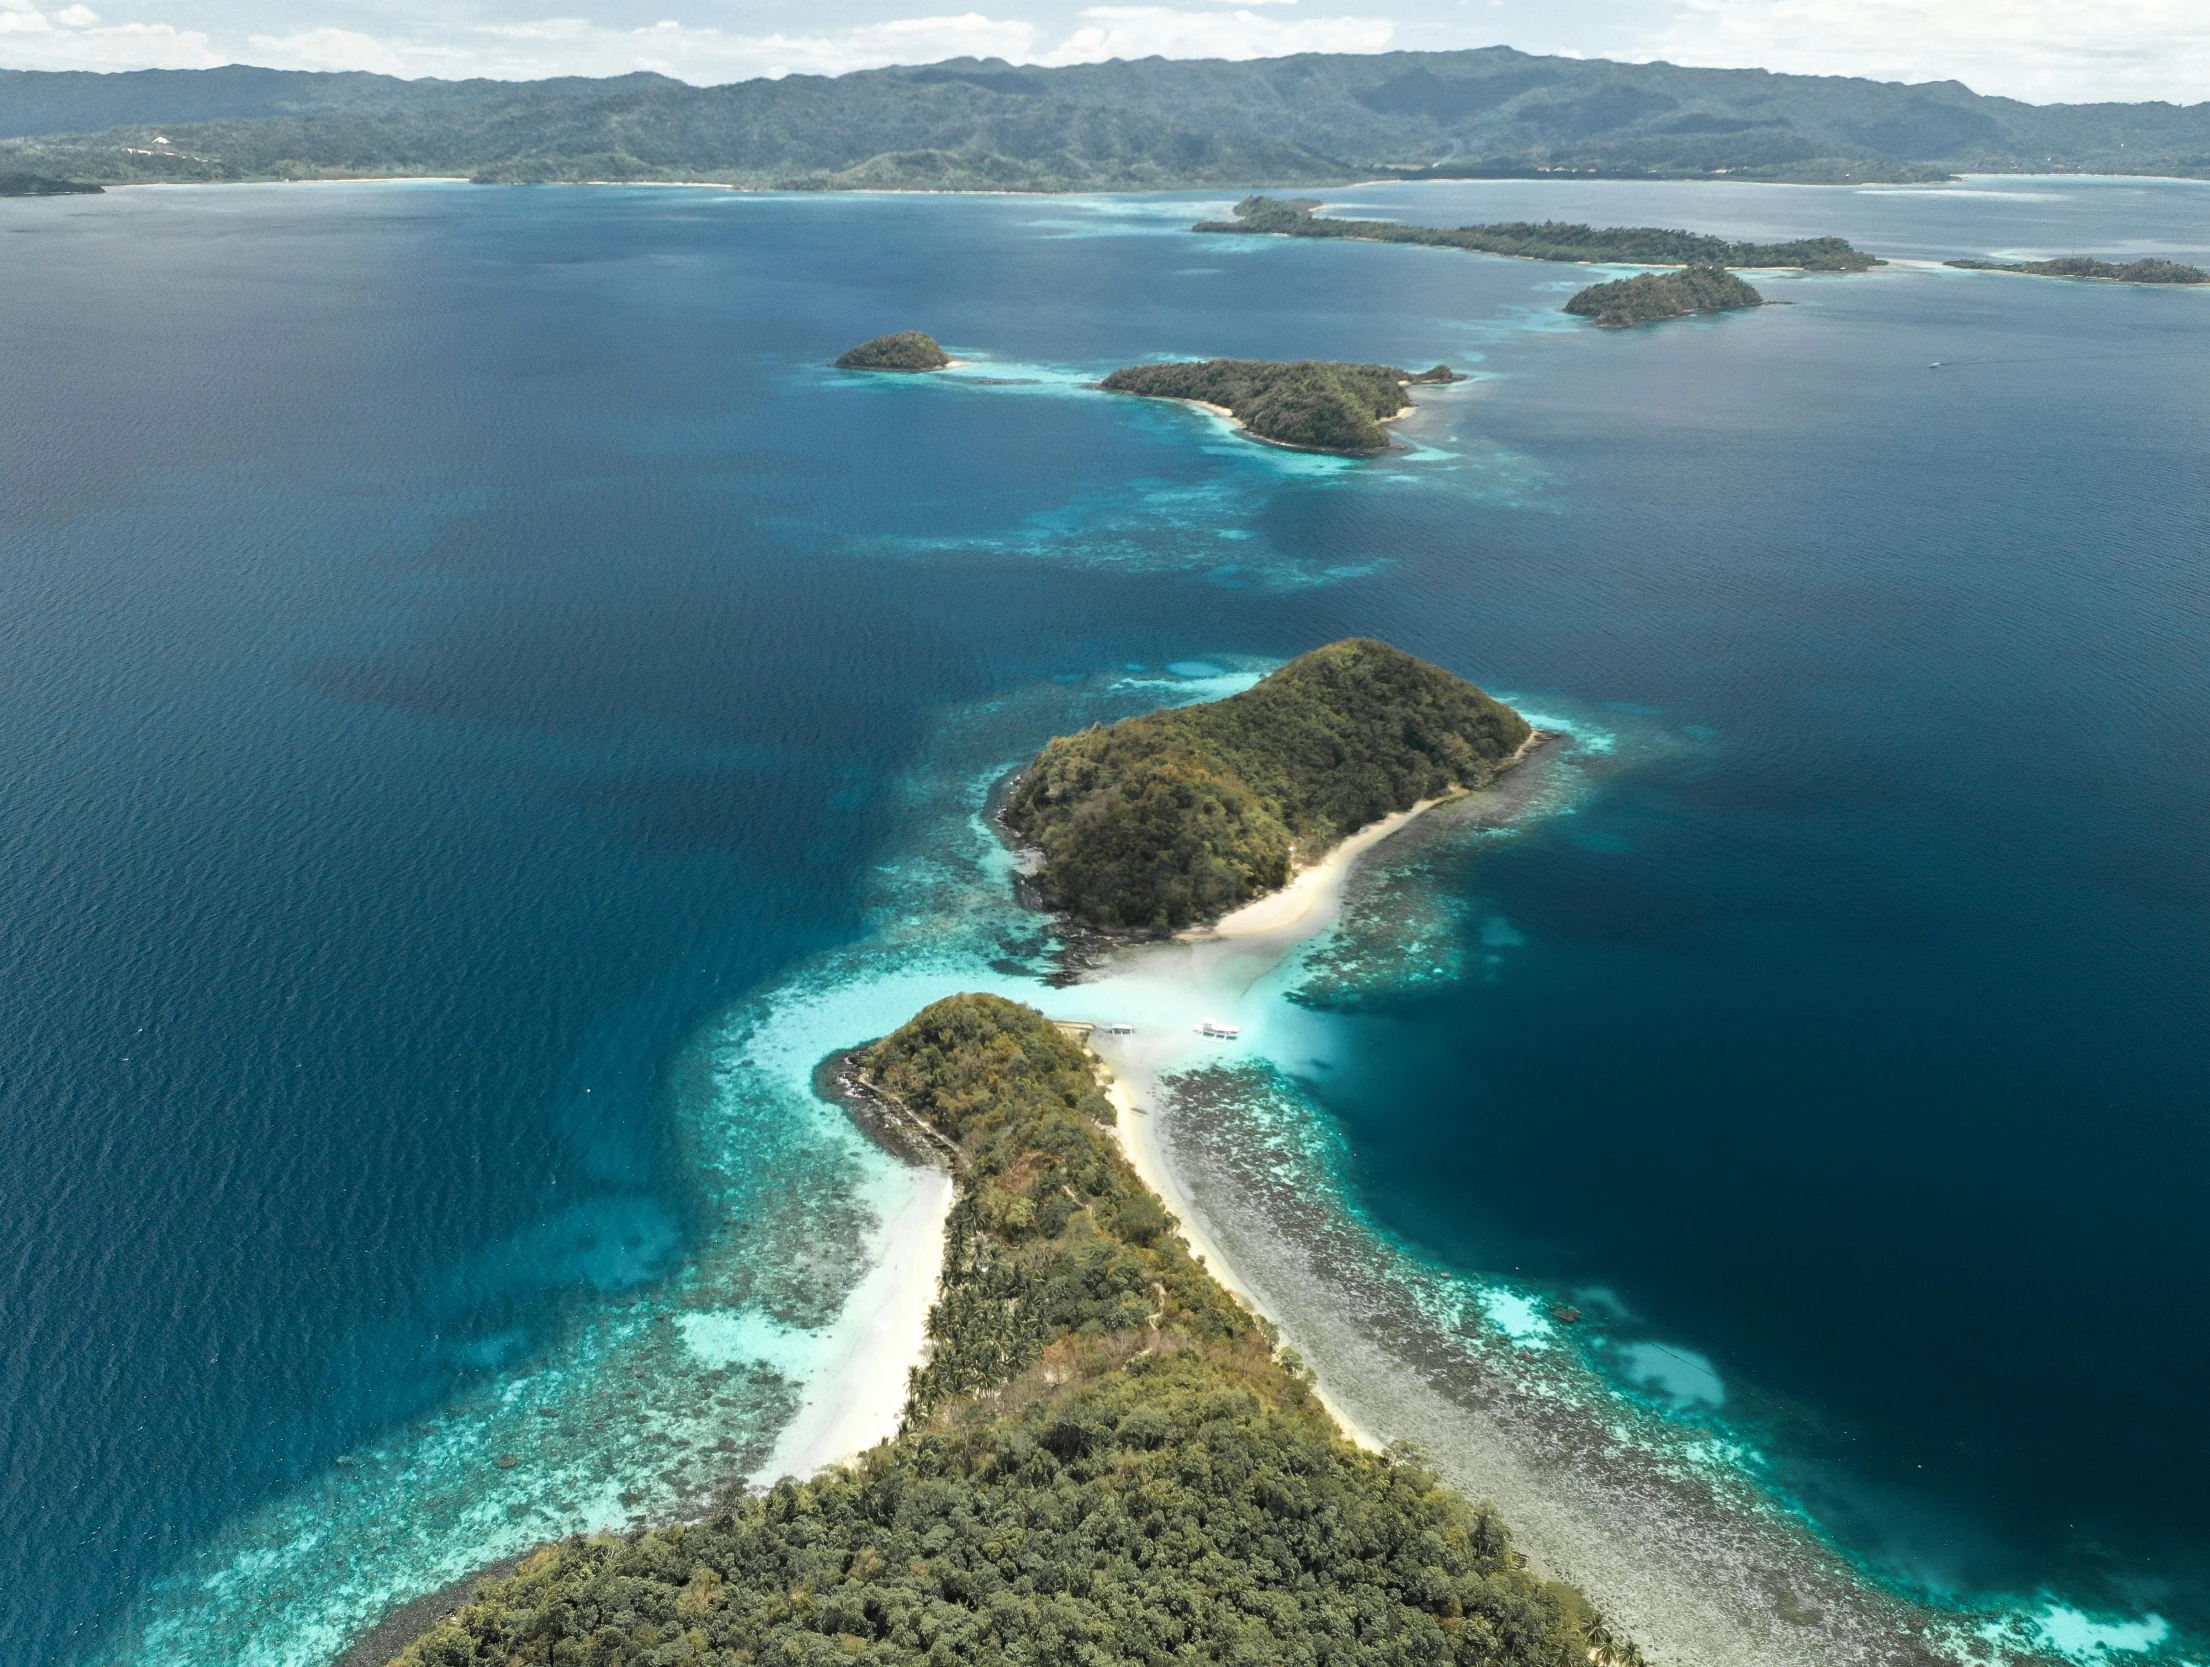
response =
{"points": [[1305, 404], [2148, 271], [1161, 821], [42, 185], [901, 350], [1554, 240], [1104, 1461], [1653, 296]]}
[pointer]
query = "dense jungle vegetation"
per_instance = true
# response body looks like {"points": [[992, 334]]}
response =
{"points": [[1661, 295], [40, 185], [1158, 821], [1312, 404], [983, 124], [900, 350], [1118, 1470], [1556, 240], [2148, 271]]}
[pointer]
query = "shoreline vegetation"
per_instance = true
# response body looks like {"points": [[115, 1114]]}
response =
{"points": [[1316, 405], [1655, 296], [2149, 270], [1170, 820], [43, 185], [901, 350], [1105, 1456], [1550, 240]]}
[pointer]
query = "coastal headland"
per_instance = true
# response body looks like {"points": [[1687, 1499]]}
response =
{"points": [[1104, 1457], [2147, 270], [44, 185]]}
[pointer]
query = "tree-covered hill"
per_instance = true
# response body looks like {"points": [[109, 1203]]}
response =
{"points": [[1181, 815], [1661, 295], [1105, 1462], [1314, 119], [1311, 404], [904, 350], [2147, 270], [1554, 240]]}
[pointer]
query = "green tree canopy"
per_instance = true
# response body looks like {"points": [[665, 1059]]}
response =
{"points": [[1161, 820]]}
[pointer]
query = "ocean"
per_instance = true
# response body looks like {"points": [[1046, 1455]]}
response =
{"points": [[486, 711]]}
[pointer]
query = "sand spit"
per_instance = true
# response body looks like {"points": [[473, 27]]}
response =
{"points": [[856, 1393]]}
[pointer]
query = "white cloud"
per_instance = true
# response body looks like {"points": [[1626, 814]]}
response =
{"points": [[2041, 50], [705, 55], [75, 38], [576, 46], [1144, 31], [2035, 49]]}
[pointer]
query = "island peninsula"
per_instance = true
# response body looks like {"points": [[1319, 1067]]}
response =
{"points": [[1171, 819], [1318, 405], [2146, 271], [1105, 1458], [1552, 240], [43, 185]]}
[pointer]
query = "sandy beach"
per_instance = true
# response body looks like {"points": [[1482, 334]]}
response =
{"points": [[1308, 903], [856, 1392], [1135, 1128]]}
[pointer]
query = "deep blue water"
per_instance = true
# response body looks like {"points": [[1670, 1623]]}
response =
{"points": [[458, 642]]}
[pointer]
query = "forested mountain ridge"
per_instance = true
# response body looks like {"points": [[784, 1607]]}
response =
{"points": [[1314, 119]]}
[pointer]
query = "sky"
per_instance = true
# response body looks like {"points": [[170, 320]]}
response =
{"points": [[2046, 51]]}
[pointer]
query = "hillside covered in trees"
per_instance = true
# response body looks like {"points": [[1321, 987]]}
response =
{"points": [[1311, 404], [2146, 271], [40, 185], [1555, 240], [1661, 295], [902, 350], [984, 124], [1178, 816], [1105, 1461]]}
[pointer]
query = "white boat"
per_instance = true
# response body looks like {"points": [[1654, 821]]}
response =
{"points": [[1120, 1030], [1220, 1029]]}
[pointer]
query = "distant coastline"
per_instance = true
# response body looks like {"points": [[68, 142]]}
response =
{"points": [[1550, 240]]}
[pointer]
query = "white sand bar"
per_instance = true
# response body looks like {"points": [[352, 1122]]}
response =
{"points": [[856, 1390]]}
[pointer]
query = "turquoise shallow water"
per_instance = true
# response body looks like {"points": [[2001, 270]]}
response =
{"points": [[486, 712]]}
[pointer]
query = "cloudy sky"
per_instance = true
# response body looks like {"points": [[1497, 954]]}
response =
{"points": [[2044, 50]]}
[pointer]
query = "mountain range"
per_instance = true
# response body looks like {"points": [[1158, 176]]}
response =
{"points": [[1313, 119]]}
